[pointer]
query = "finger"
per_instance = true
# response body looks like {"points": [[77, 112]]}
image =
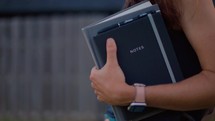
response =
{"points": [[93, 73], [99, 98], [95, 92], [92, 85], [111, 52]]}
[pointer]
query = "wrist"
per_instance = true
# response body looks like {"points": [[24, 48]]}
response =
{"points": [[139, 102], [132, 93], [128, 95]]}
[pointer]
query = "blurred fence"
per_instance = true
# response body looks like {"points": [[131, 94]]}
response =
{"points": [[44, 69]]}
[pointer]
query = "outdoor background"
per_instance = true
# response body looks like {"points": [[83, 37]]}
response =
{"points": [[45, 62]]}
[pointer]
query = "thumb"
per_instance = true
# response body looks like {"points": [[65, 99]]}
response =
{"points": [[111, 52]]}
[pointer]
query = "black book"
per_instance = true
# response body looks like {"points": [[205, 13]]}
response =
{"points": [[144, 50]]}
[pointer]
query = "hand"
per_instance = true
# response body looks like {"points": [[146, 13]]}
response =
{"points": [[109, 82]]}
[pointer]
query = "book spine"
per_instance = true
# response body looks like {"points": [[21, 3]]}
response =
{"points": [[90, 46], [162, 48]]}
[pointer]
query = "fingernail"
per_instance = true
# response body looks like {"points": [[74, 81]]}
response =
{"points": [[110, 40]]}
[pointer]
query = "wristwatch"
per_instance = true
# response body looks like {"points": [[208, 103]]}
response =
{"points": [[139, 104]]}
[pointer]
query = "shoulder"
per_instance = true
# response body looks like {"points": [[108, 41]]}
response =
{"points": [[198, 16], [192, 8]]}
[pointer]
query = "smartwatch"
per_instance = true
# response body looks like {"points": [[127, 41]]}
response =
{"points": [[138, 105]]}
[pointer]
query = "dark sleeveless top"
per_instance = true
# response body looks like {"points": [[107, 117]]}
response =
{"points": [[186, 56], [188, 61]]}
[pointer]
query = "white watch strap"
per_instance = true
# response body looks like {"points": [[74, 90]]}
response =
{"points": [[140, 93]]}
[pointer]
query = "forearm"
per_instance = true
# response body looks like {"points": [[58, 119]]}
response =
{"points": [[193, 93]]}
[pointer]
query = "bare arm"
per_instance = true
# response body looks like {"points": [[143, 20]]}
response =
{"points": [[198, 23], [196, 92]]}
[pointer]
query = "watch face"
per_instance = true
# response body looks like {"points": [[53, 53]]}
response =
{"points": [[136, 107]]}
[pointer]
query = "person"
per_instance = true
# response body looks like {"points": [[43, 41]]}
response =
{"points": [[196, 18]]}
